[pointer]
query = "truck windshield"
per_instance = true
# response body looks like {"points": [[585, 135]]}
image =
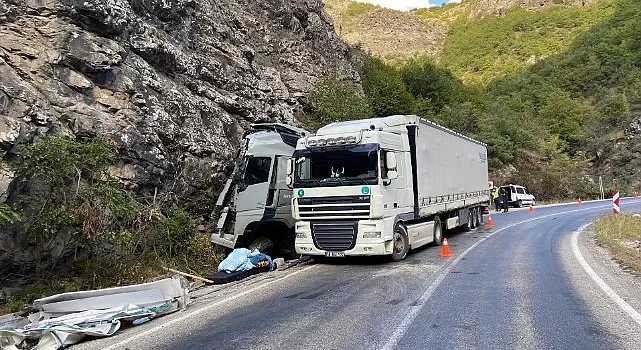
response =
{"points": [[339, 167]]}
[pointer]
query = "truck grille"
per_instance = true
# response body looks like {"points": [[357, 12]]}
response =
{"points": [[334, 235], [353, 207]]}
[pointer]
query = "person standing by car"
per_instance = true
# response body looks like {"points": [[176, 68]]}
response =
{"points": [[495, 198], [504, 199]]}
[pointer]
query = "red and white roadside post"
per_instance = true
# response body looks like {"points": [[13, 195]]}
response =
{"points": [[615, 202]]}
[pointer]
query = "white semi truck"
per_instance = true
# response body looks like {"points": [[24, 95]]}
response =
{"points": [[254, 208], [384, 186]]}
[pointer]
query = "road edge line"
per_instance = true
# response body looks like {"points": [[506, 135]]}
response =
{"points": [[402, 328], [622, 304], [119, 344]]}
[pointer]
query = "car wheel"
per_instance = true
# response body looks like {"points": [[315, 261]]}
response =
{"points": [[400, 243], [438, 231]]}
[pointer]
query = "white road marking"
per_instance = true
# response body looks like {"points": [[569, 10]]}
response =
{"points": [[119, 345], [402, 328], [627, 308]]}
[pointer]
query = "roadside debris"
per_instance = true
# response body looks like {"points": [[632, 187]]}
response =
{"points": [[241, 263], [189, 275], [243, 259], [65, 319]]}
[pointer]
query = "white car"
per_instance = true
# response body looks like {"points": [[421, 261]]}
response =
{"points": [[518, 195]]}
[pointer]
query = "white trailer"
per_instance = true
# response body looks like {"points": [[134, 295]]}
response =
{"points": [[383, 186]]}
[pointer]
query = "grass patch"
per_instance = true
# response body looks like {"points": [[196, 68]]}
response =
{"points": [[198, 259], [356, 9], [621, 235]]}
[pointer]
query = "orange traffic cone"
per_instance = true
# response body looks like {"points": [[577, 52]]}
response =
{"points": [[490, 223], [580, 201], [531, 210], [636, 195], [445, 252]]}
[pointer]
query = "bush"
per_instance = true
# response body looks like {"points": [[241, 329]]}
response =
{"points": [[87, 228], [385, 90], [335, 100]]}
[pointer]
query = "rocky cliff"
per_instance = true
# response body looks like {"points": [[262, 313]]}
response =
{"points": [[171, 83]]}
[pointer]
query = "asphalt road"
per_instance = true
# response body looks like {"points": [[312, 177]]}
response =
{"points": [[515, 286]]}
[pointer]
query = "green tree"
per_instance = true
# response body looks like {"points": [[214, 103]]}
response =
{"points": [[566, 117], [385, 90], [436, 87], [335, 100]]}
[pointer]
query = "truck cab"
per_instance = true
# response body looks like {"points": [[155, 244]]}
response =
{"points": [[381, 186], [254, 208]]}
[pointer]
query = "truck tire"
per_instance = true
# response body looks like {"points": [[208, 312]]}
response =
{"points": [[220, 250], [263, 244], [438, 231], [519, 203], [479, 216], [469, 225], [400, 243]]}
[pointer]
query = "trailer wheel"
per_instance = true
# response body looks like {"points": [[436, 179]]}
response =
{"points": [[472, 219], [438, 231], [400, 243], [478, 217]]}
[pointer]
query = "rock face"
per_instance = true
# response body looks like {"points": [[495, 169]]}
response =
{"points": [[172, 83]]}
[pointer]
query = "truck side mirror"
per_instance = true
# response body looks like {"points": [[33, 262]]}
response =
{"points": [[390, 162], [290, 166]]}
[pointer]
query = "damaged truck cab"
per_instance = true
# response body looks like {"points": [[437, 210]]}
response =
{"points": [[254, 208]]}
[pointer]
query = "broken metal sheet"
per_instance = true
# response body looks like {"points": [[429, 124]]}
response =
{"points": [[62, 321], [146, 294]]}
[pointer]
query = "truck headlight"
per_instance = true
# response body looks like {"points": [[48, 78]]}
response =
{"points": [[371, 234]]}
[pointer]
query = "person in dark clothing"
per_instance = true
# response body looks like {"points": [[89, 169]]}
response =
{"points": [[504, 199]]}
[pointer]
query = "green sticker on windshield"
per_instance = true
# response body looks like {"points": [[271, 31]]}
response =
{"points": [[365, 190], [301, 193]]}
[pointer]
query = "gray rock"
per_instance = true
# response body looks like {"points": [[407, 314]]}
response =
{"points": [[172, 83]]}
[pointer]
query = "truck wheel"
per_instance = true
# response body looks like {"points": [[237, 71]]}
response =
{"points": [[263, 244], [519, 203], [478, 217], [470, 221], [438, 231], [220, 250], [400, 243]]}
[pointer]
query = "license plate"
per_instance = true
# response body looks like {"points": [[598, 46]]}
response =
{"points": [[335, 254]]}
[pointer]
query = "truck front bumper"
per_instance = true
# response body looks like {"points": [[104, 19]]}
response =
{"points": [[360, 249], [369, 239]]}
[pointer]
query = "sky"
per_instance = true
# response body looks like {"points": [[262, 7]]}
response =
{"points": [[405, 5]]}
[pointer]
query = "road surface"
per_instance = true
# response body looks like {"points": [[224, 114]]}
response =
{"points": [[519, 285]]}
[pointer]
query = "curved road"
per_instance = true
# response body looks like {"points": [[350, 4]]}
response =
{"points": [[515, 286]]}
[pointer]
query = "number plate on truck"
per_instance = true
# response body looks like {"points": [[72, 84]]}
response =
{"points": [[335, 254]]}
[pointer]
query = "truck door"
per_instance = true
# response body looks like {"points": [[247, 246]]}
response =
{"points": [[254, 189], [390, 190]]}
